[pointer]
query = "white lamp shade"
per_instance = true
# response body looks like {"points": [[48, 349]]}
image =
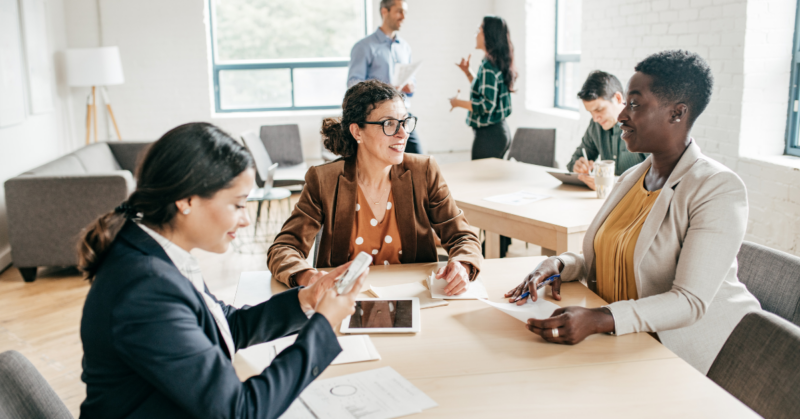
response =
{"points": [[94, 67]]}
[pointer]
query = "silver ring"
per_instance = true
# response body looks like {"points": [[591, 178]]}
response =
{"points": [[555, 333]]}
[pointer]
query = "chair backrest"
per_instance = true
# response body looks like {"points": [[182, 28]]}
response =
{"points": [[534, 146], [261, 158], [773, 277], [24, 393], [283, 144], [760, 365]]}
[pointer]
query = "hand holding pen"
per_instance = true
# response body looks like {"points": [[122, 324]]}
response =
{"points": [[546, 273]]}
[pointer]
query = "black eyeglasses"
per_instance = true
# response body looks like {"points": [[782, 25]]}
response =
{"points": [[391, 126]]}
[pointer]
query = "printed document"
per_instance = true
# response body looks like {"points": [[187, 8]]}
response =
{"points": [[403, 73], [517, 198], [475, 291], [376, 394], [540, 309], [412, 289]]}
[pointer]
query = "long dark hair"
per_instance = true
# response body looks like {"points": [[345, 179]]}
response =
{"points": [[499, 49], [359, 101], [195, 159]]}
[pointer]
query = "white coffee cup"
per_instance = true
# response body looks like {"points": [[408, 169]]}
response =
{"points": [[604, 177]]}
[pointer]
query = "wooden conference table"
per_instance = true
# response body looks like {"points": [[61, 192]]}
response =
{"points": [[476, 361], [557, 223]]}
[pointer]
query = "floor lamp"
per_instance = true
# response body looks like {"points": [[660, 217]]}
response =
{"points": [[95, 67]]}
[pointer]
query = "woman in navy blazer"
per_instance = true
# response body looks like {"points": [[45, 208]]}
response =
{"points": [[156, 342]]}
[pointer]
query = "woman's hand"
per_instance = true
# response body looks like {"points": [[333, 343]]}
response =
{"points": [[464, 66], [319, 283], [336, 307], [573, 324], [457, 277], [551, 266]]}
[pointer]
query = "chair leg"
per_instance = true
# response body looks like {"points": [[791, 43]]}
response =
{"points": [[28, 274]]}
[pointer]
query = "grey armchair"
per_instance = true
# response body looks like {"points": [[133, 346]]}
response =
{"points": [[24, 393], [50, 205], [773, 277]]}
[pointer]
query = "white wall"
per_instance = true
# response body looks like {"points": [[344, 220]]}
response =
{"points": [[41, 137], [165, 59]]}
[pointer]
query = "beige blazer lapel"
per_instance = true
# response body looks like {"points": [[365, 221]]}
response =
{"points": [[660, 208]]}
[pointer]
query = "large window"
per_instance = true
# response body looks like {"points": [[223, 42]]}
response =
{"points": [[568, 53], [282, 55], [793, 128]]}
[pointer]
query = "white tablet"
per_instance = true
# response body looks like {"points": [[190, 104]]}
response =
{"points": [[382, 315]]}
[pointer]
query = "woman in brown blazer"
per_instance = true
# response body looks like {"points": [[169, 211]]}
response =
{"points": [[375, 199]]}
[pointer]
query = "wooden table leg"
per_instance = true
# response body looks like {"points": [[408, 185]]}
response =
{"points": [[569, 243], [492, 245]]}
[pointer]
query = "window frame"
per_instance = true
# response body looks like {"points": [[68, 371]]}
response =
{"points": [[793, 117], [291, 65], [561, 59]]}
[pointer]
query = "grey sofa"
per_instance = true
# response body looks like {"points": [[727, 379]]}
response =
{"points": [[24, 393], [50, 205]]}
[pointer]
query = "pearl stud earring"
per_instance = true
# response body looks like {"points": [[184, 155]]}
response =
{"points": [[187, 211], [678, 120]]}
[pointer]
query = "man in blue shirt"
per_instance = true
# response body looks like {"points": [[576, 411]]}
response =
{"points": [[375, 57]]}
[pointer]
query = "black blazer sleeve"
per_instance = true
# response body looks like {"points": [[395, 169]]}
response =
{"points": [[156, 332]]}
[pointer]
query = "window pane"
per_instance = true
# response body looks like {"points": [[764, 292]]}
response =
{"points": [[569, 27], [319, 86], [569, 84], [240, 89], [287, 29]]}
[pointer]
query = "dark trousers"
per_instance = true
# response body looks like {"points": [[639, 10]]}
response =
{"points": [[491, 141], [413, 144]]}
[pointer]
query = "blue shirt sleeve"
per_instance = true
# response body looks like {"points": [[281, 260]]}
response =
{"points": [[357, 72]]}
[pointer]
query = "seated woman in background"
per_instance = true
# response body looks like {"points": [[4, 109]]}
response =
{"points": [[156, 343], [374, 199], [662, 249]]}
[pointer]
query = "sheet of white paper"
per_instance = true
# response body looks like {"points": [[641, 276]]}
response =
{"points": [[412, 289], [540, 309], [297, 410], [404, 72], [356, 348], [376, 394], [517, 198], [254, 288], [476, 290]]}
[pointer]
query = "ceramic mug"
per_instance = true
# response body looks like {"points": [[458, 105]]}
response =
{"points": [[604, 177]]}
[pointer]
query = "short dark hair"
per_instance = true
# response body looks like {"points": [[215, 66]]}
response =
{"points": [[387, 4], [600, 84], [680, 77], [359, 101]]}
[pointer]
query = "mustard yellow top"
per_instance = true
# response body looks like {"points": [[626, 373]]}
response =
{"points": [[381, 240], [616, 240]]}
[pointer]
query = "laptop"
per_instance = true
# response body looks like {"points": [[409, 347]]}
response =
{"points": [[569, 178]]}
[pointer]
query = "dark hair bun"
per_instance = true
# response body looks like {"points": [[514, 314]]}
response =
{"points": [[335, 138]]}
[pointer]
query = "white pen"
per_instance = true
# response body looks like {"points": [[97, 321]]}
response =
{"points": [[584, 154]]}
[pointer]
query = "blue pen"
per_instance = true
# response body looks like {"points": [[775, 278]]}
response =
{"points": [[547, 281]]}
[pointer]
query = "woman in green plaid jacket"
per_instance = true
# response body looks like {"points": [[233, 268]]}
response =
{"points": [[490, 101]]}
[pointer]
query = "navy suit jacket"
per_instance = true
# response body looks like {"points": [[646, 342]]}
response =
{"points": [[152, 348]]}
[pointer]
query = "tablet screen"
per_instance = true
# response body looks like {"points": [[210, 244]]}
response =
{"points": [[382, 314]]}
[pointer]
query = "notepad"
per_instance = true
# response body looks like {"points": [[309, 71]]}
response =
{"points": [[412, 289], [475, 291], [539, 309], [517, 198], [357, 348]]}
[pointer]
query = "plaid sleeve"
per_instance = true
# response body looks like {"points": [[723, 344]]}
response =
{"points": [[484, 92]]}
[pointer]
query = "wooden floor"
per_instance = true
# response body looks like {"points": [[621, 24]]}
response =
{"points": [[41, 319]]}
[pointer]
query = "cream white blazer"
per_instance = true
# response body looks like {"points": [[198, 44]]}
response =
{"points": [[684, 260]]}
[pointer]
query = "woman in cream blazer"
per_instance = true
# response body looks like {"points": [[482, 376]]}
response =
{"points": [[684, 260]]}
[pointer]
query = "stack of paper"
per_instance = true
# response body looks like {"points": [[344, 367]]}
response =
{"points": [[539, 309], [476, 289], [412, 289], [254, 359], [374, 394]]}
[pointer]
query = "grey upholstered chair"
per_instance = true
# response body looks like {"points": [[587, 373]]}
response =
{"points": [[773, 277], [24, 393], [48, 206], [534, 146], [285, 148], [760, 365]]}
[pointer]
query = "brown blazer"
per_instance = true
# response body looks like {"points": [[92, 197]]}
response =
{"points": [[422, 203]]}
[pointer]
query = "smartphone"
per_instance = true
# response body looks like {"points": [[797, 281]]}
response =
{"points": [[360, 264]]}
